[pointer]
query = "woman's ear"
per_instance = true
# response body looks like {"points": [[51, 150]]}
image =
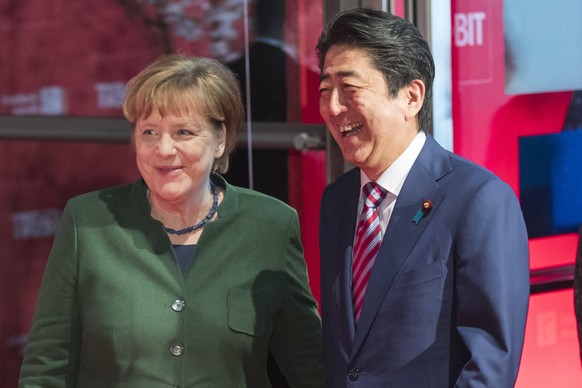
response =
{"points": [[221, 141]]}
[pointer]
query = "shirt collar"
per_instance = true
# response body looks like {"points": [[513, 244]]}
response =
{"points": [[392, 179]]}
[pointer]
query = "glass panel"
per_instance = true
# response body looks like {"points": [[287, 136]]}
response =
{"points": [[43, 72], [278, 73], [63, 68]]}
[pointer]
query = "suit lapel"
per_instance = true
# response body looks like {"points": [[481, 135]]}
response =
{"points": [[342, 286], [402, 233]]}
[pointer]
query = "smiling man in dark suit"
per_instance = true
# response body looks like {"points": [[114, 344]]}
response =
{"points": [[430, 286]]}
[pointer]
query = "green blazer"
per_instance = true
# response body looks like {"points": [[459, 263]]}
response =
{"points": [[114, 309]]}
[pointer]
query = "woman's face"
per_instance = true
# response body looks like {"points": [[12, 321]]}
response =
{"points": [[175, 155]]}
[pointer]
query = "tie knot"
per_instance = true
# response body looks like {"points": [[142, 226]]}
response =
{"points": [[374, 194]]}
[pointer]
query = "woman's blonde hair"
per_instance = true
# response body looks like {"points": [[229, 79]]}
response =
{"points": [[177, 84]]}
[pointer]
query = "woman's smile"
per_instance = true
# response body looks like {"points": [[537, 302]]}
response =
{"points": [[170, 170]]}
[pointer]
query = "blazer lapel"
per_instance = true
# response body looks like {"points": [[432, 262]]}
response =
{"points": [[402, 233]]}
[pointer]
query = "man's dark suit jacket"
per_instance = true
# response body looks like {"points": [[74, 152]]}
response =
{"points": [[447, 299]]}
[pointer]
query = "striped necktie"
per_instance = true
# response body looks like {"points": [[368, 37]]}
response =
{"points": [[367, 243]]}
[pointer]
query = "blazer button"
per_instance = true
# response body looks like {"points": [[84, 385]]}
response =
{"points": [[178, 305], [354, 374], [177, 350]]}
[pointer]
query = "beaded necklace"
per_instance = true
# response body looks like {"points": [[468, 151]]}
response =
{"points": [[207, 218]]}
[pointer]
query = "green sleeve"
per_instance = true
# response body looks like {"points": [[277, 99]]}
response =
{"points": [[296, 342], [52, 351]]}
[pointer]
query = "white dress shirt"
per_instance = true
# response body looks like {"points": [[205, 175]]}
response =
{"points": [[392, 179]]}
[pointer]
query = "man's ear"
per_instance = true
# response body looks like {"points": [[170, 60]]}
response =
{"points": [[415, 98]]}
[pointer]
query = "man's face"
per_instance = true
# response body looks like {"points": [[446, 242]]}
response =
{"points": [[371, 128]]}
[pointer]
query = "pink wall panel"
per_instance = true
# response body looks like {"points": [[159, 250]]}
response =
{"points": [[487, 124], [551, 351]]}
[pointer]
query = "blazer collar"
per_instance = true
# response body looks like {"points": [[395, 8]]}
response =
{"points": [[138, 216]]}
